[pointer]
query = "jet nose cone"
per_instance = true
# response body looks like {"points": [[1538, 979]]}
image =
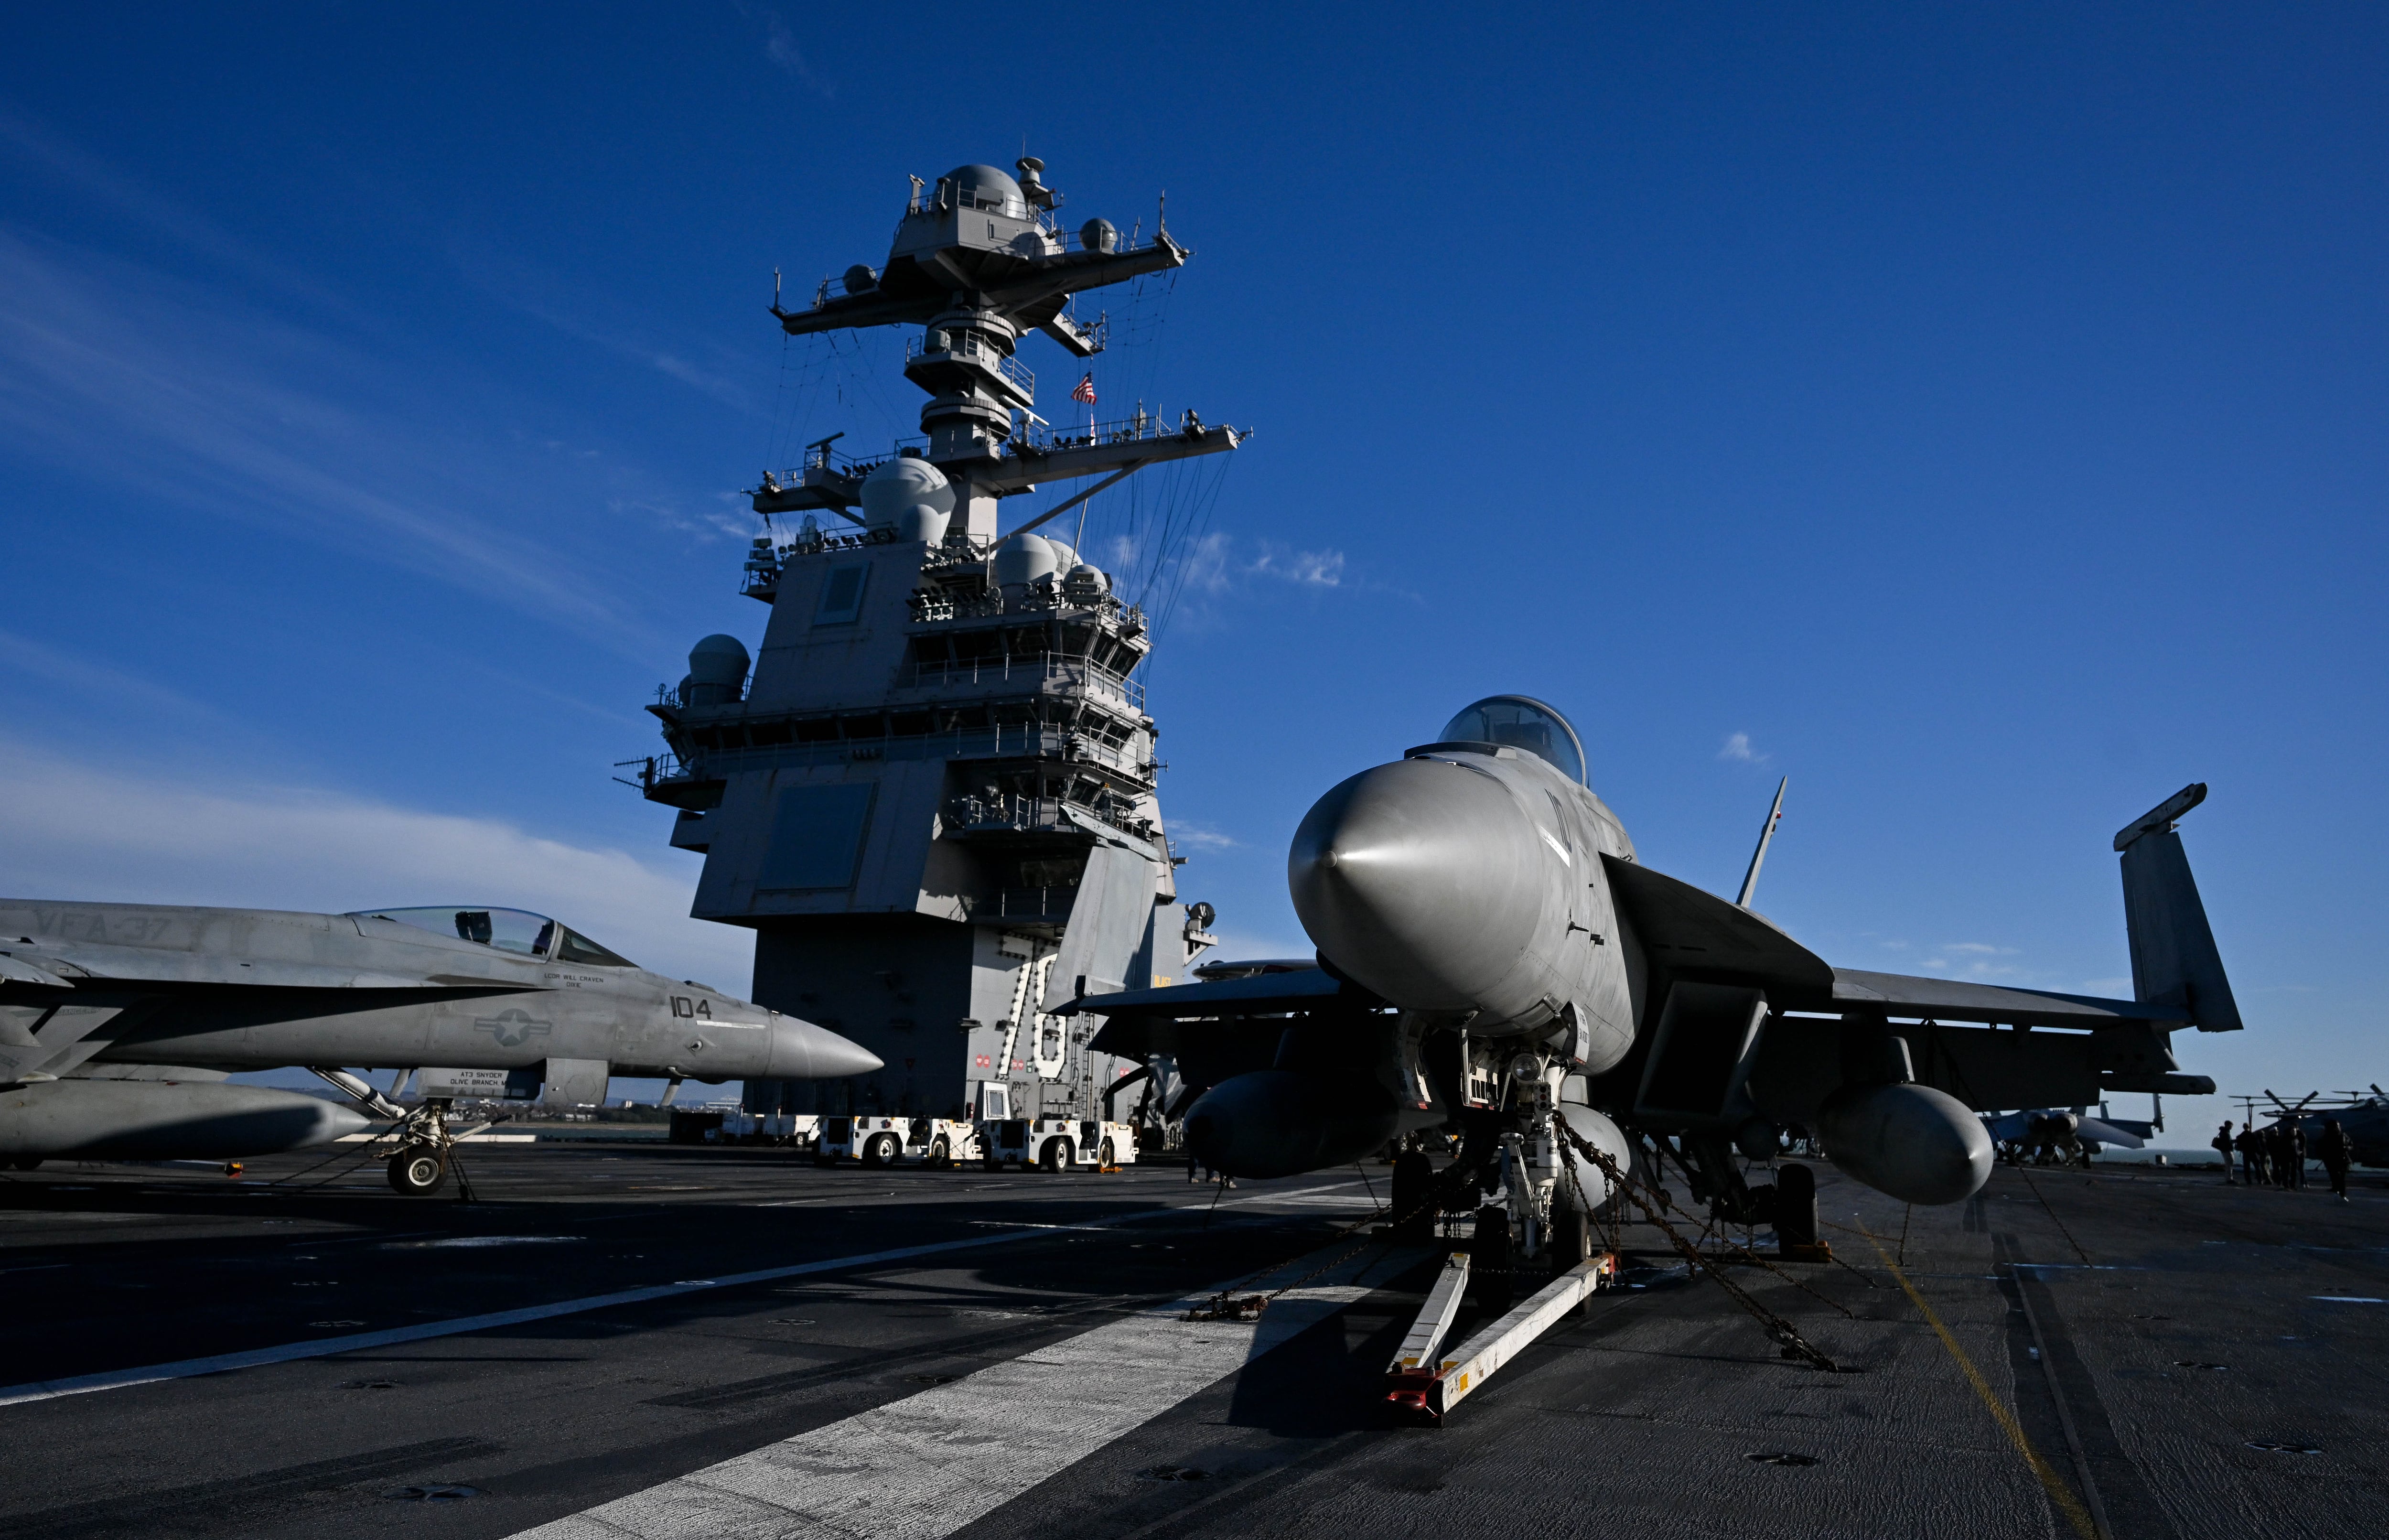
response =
{"points": [[1422, 879], [802, 1051]]}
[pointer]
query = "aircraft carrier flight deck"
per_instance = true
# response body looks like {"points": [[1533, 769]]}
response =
{"points": [[614, 1339]]}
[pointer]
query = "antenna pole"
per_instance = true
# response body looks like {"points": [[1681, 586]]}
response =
{"points": [[1759, 856]]}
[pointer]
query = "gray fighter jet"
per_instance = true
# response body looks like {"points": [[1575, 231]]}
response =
{"points": [[118, 1022], [1493, 956]]}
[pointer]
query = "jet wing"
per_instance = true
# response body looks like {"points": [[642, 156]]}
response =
{"points": [[1692, 931], [1254, 995], [1956, 1000], [73, 964], [1143, 1021]]}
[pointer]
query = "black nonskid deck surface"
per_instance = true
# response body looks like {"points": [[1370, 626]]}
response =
{"points": [[2210, 1367]]}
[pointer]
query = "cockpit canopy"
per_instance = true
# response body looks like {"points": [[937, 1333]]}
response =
{"points": [[1521, 722], [516, 930]]}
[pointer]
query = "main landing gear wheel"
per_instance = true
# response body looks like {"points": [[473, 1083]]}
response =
{"points": [[1489, 1258], [941, 1154], [1054, 1158], [1414, 1198], [882, 1149], [418, 1170]]}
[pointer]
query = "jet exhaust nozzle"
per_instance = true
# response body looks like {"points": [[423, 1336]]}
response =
{"points": [[1917, 1143], [1279, 1123], [1424, 879], [165, 1120]]}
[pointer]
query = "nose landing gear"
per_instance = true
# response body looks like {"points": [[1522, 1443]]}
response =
{"points": [[418, 1170]]}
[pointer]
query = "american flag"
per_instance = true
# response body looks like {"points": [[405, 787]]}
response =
{"points": [[1086, 391]]}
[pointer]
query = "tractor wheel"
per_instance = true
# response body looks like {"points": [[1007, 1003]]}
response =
{"points": [[883, 1151], [1054, 1158]]}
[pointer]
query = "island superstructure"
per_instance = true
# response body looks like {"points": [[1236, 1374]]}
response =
{"points": [[933, 794]]}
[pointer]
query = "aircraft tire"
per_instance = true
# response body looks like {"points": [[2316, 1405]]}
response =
{"points": [[1571, 1238], [1414, 1198], [418, 1171], [1489, 1258], [1054, 1159]]}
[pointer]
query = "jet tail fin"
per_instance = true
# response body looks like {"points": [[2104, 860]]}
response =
{"points": [[2174, 960]]}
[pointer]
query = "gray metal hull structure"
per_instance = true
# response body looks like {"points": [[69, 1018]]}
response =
{"points": [[939, 819], [935, 802]]}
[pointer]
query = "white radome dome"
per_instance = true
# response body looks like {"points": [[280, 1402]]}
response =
{"points": [[901, 483]]}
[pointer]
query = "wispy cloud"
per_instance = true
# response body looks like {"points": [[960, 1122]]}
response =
{"points": [[1974, 959], [31, 144], [1737, 750], [1319, 569], [170, 387], [75, 830], [780, 48], [83, 676], [1200, 836], [1214, 565]]}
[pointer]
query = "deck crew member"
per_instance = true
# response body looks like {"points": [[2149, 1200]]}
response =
{"points": [[2338, 1153], [2252, 1154]]}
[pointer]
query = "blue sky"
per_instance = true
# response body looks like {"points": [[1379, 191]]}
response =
{"points": [[1973, 413]]}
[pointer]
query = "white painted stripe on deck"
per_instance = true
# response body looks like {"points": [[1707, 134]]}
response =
{"points": [[324, 1347], [926, 1465]]}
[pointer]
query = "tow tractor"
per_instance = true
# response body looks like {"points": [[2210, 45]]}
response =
{"points": [[1059, 1143], [883, 1141]]}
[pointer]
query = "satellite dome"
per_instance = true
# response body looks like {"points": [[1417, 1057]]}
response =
{"points": [[1086, 579], [921, 523], [1099, 235], [986, 188], [1064, 556], [717, 670], [860, 278], [898, 485], [1021, 562]]}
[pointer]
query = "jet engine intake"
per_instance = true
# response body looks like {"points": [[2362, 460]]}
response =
{"points": [[1280, 1122], [1919, 1145]]}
